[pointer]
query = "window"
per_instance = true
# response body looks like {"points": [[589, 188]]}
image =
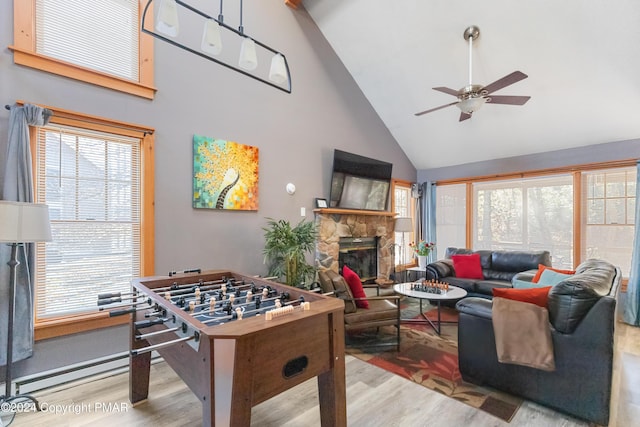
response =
{"points": [[575, 213], [101, 221], [526, 214], [97, 42], [403, 206], [609, 215], [451, 217]]}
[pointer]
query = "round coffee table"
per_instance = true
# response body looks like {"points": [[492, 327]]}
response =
{"points": [[452, 293]]}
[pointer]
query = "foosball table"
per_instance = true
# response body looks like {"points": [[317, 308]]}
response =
{"points": [[236, 341]]}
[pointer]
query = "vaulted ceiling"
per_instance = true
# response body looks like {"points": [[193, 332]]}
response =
{"points": [[582, 59]]}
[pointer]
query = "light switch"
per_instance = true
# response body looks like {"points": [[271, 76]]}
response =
{"points": [[303, 211]]}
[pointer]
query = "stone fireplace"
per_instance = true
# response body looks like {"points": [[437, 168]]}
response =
{"points": [[334, 224]]}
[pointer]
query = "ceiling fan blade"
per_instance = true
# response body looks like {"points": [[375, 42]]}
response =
{"points": [[464, 116], [446, 90], [511, 100], [512, 78], [435, 109]]}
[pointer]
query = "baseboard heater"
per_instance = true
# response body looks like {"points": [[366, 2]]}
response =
{"points": [[91, 369]]}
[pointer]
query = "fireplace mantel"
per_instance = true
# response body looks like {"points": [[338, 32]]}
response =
{"points": [[334, 211]]}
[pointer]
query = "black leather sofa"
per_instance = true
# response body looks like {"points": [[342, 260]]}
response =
{"points": [[582, 319], [498, 269]]}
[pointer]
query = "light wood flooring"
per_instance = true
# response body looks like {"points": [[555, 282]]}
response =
{"points": [[374, 398]]}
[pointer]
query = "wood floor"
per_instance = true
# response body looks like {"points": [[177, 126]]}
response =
{"points": [[374, 398]]}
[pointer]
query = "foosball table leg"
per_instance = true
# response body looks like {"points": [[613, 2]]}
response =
{"points": [[139, 371], [332, 391]]}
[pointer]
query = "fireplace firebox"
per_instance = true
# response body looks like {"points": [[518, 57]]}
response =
{"points": [[361, 255]]}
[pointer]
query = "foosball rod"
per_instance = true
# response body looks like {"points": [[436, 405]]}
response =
{"points": [[190, 285], [218, 304], [119, 310], [193, 270], [161, 345], [248, 312], [207, 289], [129, 305]]}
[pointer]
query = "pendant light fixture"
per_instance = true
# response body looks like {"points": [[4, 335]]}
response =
{"points": [[253, 55], [167, 22]]}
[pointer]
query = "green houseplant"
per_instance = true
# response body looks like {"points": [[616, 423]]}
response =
{"points": [[285, 250]]}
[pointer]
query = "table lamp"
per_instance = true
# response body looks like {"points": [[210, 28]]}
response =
{"points": [[20, 223]]}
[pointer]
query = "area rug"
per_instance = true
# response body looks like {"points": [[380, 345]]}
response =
{"points": [[431, 361]]}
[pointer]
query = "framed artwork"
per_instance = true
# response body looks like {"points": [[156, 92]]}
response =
{"points": [[225, 174], [321, 203]]}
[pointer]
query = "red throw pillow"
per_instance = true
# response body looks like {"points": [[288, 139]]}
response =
{"points": [[542, 267], [467, 266], [537, 296], [355, 284]]}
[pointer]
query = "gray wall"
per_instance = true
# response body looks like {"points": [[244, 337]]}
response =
{"points": [[296, 135]]}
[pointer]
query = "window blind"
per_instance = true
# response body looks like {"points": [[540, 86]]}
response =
{"points": [[98, 34], [91, 183]]}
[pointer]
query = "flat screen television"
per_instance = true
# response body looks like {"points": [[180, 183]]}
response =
{"points": [[358, 182]]}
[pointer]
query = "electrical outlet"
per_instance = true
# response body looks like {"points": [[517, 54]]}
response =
{"points": [[303, 211]]}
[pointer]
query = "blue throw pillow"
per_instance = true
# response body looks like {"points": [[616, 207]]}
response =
{"points": [[526, 284], [551, 278]]}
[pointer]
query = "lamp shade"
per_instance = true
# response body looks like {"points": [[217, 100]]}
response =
{"points": [[167, 22], [278, 71], [211, 40], [248, 57], [22, 222], [403, 225]]}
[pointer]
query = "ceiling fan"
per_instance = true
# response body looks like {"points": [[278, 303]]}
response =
{"points": [[474, 96]]}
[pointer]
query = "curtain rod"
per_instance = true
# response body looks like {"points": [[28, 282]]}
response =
{"points": [[144, 132]]}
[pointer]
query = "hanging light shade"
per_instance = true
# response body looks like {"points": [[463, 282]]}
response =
{"points": [[211, 40], [248, 58], [278, 71], [167, 22]]}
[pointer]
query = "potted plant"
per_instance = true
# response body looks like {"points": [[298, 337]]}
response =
{"points": [[422, 251], [286, 248]]}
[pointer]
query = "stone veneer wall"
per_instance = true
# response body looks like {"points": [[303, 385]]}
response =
{"points": [[331, 227]]}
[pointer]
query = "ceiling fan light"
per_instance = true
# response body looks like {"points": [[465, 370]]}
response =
{"points": [[471, 104]]}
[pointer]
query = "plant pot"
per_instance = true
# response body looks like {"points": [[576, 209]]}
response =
{"points": [[422, 261]]}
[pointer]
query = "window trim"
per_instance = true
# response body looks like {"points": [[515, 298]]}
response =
{"points": [[65, 325], [24, 53]]}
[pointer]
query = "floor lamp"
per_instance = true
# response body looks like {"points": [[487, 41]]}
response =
{"points": [[20, 223], [403, 225]]}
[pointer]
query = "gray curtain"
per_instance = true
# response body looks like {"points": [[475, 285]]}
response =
{"points": [[18, 186], [632, 301], [429, 197]]}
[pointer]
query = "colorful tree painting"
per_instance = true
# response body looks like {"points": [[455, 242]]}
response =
{"points": [[225, 174]]}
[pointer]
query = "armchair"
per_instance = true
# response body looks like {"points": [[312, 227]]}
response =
{"points": [[382, 311]]}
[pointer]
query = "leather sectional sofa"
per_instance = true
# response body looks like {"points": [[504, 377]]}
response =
{"points": [[498, 268], [581, 313]]}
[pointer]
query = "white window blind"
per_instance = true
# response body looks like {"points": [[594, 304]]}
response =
{"points": [[451, 217], [91, 183], [101, 35], [526, 214], [609, 218]]}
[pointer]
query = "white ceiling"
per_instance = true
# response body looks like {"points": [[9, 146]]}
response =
{"points": [[582, 58]]}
